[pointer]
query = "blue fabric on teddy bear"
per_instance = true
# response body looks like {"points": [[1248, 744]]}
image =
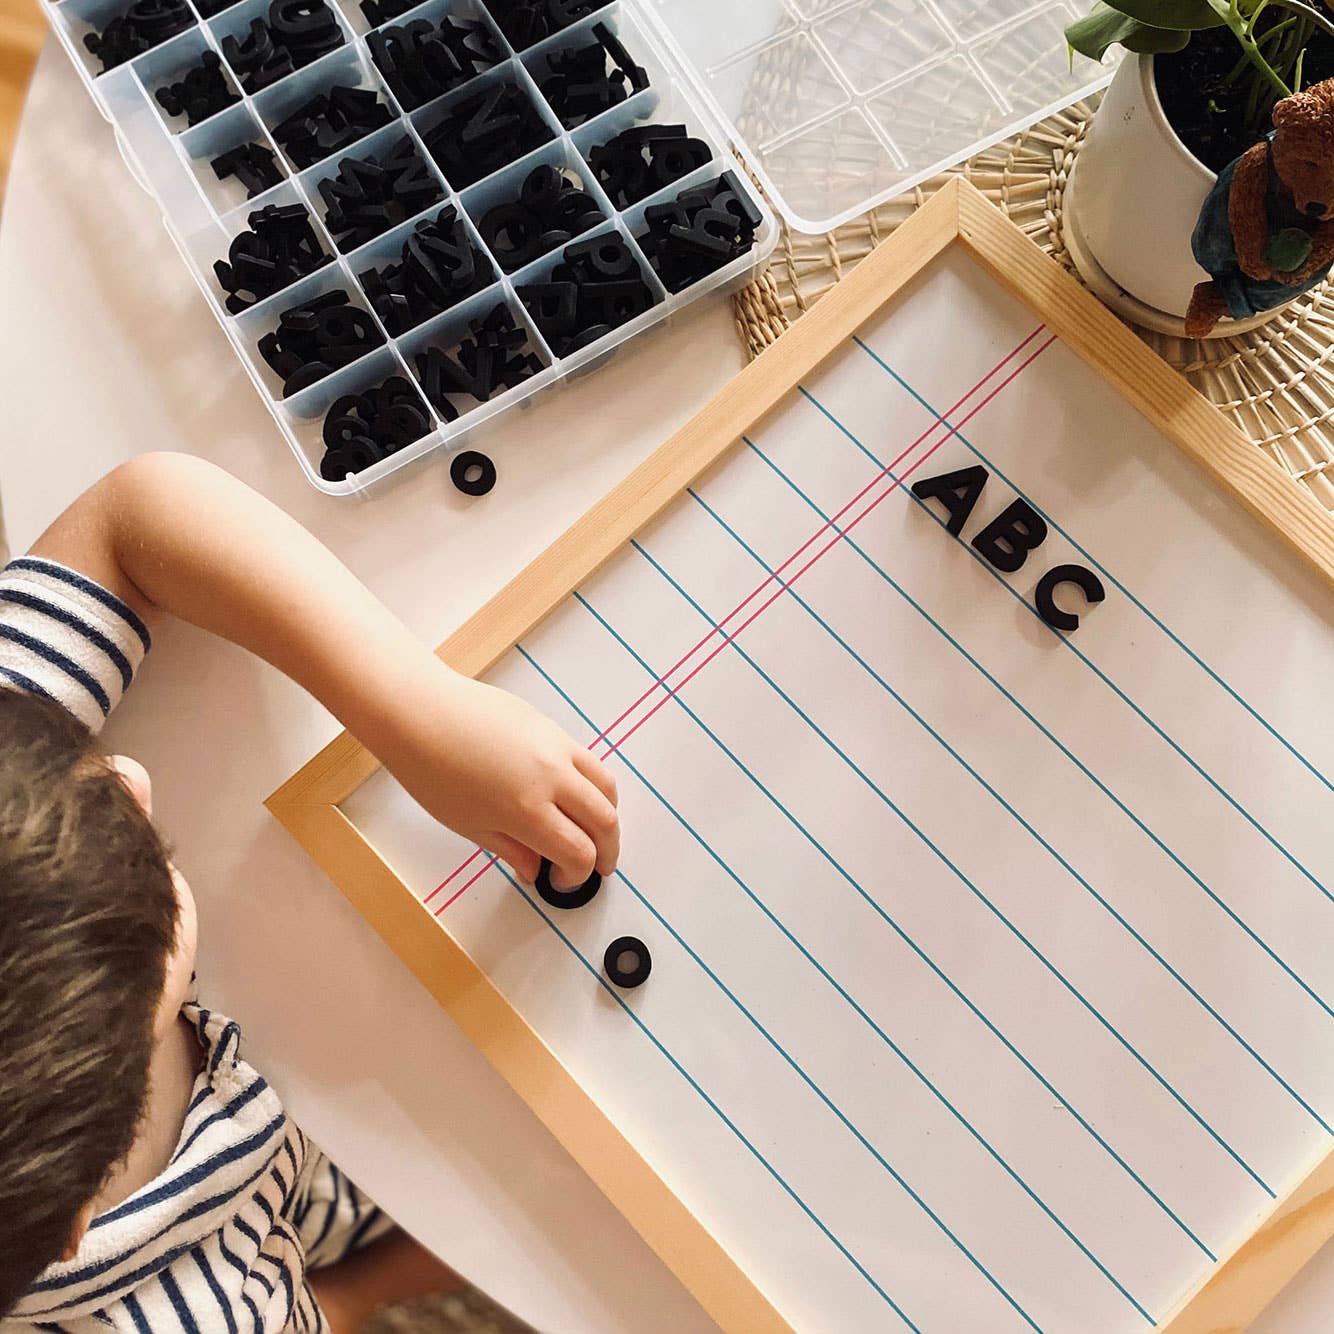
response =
{"points": [[1216, 253]]}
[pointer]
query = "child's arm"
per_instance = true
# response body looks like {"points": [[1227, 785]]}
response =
{"points": [[172, 533]]}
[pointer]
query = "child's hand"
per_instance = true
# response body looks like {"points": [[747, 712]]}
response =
{"points": [[174, 533], [503, 775]]}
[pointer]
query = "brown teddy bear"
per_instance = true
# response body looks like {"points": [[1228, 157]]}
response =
{"points": [[1266, 232]]}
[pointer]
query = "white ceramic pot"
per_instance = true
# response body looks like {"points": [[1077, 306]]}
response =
{"points": [[1135, 194]]}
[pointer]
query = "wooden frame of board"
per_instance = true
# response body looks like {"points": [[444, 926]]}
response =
{"points": [[308, 804]]}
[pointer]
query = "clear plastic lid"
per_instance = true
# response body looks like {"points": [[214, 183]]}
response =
{"points": [[838, 105]]}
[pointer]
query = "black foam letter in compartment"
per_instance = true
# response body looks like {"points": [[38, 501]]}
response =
{"points": [[1011, 535], [957, 491], [1085, 580]]}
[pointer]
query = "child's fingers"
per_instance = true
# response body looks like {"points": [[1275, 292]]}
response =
{"points": [[596, 816], [524, 861], [569, 850], [597, 773]]}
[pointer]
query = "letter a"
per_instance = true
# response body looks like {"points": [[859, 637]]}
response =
{"points": [[957, 491]]}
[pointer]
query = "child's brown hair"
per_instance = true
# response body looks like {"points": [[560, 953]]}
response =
{"points": [[88, 918]]}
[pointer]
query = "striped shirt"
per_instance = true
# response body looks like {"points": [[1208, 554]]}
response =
{"points": [[64, 636], [223, 1238]]}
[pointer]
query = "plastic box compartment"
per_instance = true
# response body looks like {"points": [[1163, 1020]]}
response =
{"points": [[202, 213]]}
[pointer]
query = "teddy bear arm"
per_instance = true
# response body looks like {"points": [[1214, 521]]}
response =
{"points": [[1246, 212]]}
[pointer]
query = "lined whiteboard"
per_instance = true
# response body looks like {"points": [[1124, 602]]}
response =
{"points": [[993, 967]]}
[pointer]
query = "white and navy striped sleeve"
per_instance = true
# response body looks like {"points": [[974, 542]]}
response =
{"points": [[64, 636], [333, 1216]]}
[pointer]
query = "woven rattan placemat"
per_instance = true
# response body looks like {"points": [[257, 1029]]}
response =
{"points": [[1275, 382]]}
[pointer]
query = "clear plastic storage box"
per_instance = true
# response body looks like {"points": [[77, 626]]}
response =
{"points": [[839, 105], [835, 105]]}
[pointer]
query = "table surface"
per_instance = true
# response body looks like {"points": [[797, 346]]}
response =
{"points": [[106, 340]]}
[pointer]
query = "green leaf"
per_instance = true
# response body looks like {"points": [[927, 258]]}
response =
{"points": [[1147, 41], [1103, 27], [1309, 12], [1179, 15]]}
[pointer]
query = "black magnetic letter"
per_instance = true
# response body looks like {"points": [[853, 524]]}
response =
{"points": [[1086, 580], [957, 491], [1011, 535]]}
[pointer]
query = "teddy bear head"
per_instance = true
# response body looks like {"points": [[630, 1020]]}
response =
{"points": [[1303, 149]]}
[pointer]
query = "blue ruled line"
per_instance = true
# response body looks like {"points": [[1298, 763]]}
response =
{"points": [[824, 972], [985, 565], [916, 1198]]}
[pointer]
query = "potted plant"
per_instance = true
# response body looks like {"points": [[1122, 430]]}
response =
{"points": [[1196, 89]]}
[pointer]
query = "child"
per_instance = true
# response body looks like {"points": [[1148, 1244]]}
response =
{"points": [[149, 1178]]}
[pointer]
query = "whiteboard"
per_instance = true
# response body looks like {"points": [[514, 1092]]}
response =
{"points": [[992, 967]]}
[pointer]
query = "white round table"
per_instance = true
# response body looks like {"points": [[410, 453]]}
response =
{"points": [[109, 351]]}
